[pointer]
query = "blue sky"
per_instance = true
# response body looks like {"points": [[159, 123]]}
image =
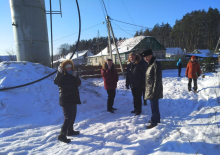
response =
{"points": [[145, 13]]}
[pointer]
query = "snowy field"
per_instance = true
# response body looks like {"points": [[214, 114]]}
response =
{"points": [[31, 118]]}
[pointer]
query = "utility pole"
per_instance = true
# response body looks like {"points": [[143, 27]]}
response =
{"points": [[116, 47], [109, 37], [217, 45]]}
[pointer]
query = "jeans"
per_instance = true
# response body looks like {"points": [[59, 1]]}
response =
{"points": [[137, 93], [111, 97], [190, 84], [69, 113], [155, 118]]}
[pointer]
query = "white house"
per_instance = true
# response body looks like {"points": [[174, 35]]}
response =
{"points": [[174, 51], [80, 57], [203, 53]]}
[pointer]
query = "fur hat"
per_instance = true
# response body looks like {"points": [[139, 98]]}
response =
{"points": [[147, 52], [67, 62]]}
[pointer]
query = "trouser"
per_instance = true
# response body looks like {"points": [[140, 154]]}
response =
{"points": [[137, 93], [143, 93], [190, 84], [69, 113], [111, 97], [155, 118], [179, 71]]}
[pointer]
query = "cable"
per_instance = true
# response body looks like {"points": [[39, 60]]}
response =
{"points": [[129, 23], [78, 32], [56, 70], [127, 11], [123, 30], [105, 8]]}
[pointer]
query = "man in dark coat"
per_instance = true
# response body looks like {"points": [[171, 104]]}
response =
{"points": [[135, 80], [153, 86], [68, 83], [110, 77], [179, 66]]}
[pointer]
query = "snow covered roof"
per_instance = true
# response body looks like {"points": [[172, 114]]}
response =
{"points": [[123, 46], [203, 53], [77, 55]]}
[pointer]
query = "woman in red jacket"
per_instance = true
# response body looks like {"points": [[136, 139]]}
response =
{"points": [[193, 71], [110, 77]]}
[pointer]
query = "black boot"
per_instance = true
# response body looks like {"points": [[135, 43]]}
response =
{"points": [[72, 132], [62, 138]]}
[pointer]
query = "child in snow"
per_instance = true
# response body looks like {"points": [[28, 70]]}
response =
{"points": [[68, 83], [110, 77]]}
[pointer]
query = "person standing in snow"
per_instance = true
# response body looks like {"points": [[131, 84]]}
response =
{"points": [[135, 80], [110, 77], [179, 66], [144, 63], [153, 86], [68, 83], [193, 71]]}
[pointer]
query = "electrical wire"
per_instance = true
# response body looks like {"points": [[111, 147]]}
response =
{"points": [[78, 32], [130, 23], [56, 70], [123, 30], [127, 11]]}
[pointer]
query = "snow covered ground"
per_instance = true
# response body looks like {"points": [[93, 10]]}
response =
{"points": [[31, 118]]}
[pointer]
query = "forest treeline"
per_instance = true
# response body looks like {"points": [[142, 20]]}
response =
{"points": [[196, 30]]}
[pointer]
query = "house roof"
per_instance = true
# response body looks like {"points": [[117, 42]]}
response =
{"points": [[77, 55], [203, 53], [123, 46]]}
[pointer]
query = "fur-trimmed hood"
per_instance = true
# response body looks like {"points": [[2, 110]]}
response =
{"points": [[64, 63], [105, 66], [138, 59]]}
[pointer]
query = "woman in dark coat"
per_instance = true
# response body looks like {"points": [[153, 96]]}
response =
{"points": [[68, 83], [110, 77]]}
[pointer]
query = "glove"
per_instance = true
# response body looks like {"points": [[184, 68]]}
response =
{"points": [[60, 69], [127, 87], [74, 73]]}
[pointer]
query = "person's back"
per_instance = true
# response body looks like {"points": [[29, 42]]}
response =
{"points": [[179, 66]]}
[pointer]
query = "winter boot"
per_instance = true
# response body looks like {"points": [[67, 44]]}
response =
{"points": [[62, 138], [72, 132]]}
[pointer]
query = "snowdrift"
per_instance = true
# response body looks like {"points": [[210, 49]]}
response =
{"points": [[31, 117]]}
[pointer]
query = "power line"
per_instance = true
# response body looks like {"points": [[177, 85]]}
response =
{"points": [[127, 11], [78, 32], [130, 23], [105, 7], [123, 30]]}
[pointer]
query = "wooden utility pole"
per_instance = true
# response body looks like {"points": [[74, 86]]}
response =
{"points": [[116, 47], [217, 45], [109, 37]]}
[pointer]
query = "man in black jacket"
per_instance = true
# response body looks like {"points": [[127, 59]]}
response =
{"points": [[153, 86], [135, 80]]}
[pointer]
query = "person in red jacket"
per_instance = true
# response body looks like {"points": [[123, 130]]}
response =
{"points": [[193, 71], [110, 77]]}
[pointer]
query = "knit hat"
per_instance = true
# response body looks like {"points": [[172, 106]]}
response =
{"points": [[147, 52], [193, 57]]}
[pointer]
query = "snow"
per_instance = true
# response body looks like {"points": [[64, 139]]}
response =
{"points": [[31, 117]]}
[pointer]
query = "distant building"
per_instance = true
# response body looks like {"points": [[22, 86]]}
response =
{"points": [[135, 44], [174, 53], [80, 57], [8, 58], [202, 53]]}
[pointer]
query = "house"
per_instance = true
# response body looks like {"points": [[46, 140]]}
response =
{"points": [[135, 44], [80, 57], [8, 58], [174, 53]]}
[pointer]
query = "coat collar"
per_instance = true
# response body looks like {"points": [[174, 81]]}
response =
{"points": [[153, 59]]}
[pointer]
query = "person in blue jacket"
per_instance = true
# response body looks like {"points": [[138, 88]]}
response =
{"points": [[179, 66]]}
